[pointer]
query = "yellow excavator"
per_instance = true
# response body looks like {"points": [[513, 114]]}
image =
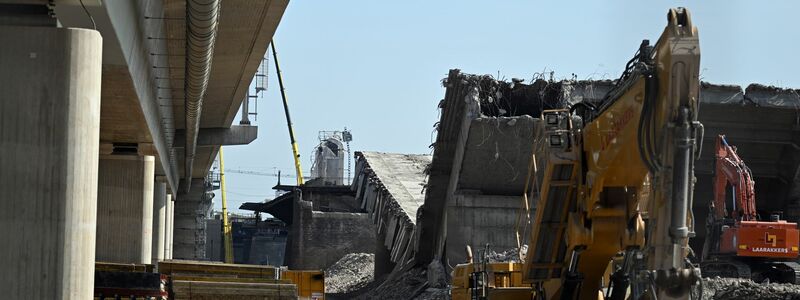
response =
{"points": [[612, 218]]}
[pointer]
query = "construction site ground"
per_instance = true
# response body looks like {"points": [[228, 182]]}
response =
{"points": [[351, 278]]}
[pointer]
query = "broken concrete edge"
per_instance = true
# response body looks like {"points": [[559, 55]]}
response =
{"points": [[513, 98]]}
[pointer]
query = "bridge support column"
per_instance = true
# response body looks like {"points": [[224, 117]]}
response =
{"points": [[170, 227], [49, 143], [159, 220], [125, 209]]}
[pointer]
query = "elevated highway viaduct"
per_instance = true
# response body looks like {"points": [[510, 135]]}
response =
{"points": [[111, 114]]}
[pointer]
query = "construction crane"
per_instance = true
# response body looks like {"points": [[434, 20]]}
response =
{"points": [[295, 150], [226, 225], [612, 217], [737, 244]]}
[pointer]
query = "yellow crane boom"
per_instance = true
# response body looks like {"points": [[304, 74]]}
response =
{"points": [[226, 225], [295, 150]]}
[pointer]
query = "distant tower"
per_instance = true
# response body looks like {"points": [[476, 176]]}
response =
{"points": [[328, 166], [348, 137]]}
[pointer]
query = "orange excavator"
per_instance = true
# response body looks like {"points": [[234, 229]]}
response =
{"points": [[737, 243]]}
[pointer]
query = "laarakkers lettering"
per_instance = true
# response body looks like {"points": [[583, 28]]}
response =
{"points": [[770, 250]]}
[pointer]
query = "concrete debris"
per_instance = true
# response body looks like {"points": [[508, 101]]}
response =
{"points": [[400, 284], [500, 98], [411, 283], [510, 255], [350, 273], [731, 288], [434, 294]]}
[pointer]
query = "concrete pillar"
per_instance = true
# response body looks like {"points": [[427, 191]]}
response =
{"points": [[170, 227], [125, 209], [159, 220], [188, 226], [186, 230], [49, 140]]}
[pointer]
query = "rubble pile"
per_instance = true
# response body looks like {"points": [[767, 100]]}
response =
{"points": [[352, 272], [730, 288], [510, 255], [405, 284]]}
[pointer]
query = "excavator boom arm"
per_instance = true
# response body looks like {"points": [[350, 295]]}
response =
{"points": [[609, 169], [730, 169]]}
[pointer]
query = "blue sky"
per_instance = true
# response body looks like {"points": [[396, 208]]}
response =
{"points": [[375, 66]]}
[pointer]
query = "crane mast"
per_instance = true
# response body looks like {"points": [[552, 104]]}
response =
{"points": [[226, 225], [295, 151]]}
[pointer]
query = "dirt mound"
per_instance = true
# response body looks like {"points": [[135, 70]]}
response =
{"points": [[350, 273]]}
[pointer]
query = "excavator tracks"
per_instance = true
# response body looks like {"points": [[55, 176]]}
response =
{"points": [[782, 272]]}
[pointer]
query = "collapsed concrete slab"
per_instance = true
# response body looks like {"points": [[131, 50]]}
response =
{"points": [[389, 187], [483, 204], [485, 142]]}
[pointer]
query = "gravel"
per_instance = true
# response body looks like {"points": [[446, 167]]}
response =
{"points": [[353, 277], [350, 273], [407, 283], [729, 288]]}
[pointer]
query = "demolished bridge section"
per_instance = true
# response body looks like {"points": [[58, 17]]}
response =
{"points": [[390, 188], [486, 137], [485, 141], [488, 129]]}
